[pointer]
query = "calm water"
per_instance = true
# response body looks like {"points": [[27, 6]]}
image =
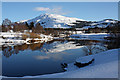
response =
{"points": [[36, 59]]}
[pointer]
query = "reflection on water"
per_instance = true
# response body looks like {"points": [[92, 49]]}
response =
{"points": [[42, 47], [36, 59], [113, 44], [10, 50]]}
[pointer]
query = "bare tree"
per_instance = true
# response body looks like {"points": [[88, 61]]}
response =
{"points": [[6, 25], [93, 49], [19, 27], [38, 29], [6, 22]]}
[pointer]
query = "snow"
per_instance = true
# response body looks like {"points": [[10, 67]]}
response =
{"points": [[59, 21], [85, 59], [53, 21], [104, 66], [108, 21], [13, 38], [46, 37], [91, 36], [100, 24], [10, 34]]}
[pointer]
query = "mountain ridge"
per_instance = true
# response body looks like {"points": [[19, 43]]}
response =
{"points": [[52, 21], [59, 21]]}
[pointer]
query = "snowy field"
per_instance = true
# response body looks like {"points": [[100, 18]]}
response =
{"points": [[104, 66], [16, 38], [91, 36]]}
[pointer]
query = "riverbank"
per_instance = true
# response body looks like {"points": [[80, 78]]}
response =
{"points": [[90, 36], [21, 38]]}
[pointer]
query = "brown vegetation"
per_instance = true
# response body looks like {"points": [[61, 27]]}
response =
{"points": [[8, 51], [30, 35]]}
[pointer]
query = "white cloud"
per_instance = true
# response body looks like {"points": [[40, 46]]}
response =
{"points": [[41, 9], [57, 10], [54, 10]]}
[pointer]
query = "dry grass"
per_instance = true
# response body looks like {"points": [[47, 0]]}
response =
{"points": [[30, 35]]}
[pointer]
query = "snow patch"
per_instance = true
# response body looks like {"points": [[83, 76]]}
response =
{"points": [[85, 59], [91, 36]]}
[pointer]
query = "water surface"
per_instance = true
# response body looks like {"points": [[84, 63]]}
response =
{"points": [[37, 59]]}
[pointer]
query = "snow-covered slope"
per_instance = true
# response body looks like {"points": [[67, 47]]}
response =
{"points": [[59, 21], [52, 21], [108, 21], [101, 24], [91, 36]]}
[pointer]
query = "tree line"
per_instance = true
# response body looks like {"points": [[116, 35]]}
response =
{"points": [[8, 25]]}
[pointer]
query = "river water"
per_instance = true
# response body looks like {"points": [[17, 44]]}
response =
{"points": [[42, 58]]}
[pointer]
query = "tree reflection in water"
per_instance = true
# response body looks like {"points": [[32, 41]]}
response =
{"points": [[45, 47], [10, 50]]}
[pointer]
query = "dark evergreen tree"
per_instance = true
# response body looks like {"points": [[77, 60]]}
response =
{"points": [[26, 24], [31, 25]]}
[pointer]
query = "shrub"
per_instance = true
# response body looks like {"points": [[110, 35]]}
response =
{"points": [[30, 35], [24, 36]]}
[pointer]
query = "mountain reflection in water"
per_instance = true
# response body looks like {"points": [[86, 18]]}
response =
{"points": [[42, 47], [37, 59]]}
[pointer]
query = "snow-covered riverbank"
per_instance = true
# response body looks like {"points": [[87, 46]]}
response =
{"points": [[91, 36], [16, 38], [104, 66]]}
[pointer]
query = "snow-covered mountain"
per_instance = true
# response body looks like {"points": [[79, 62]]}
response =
{"points": [[101, 24], [108, 21], [52, 21], [59, 21]]}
